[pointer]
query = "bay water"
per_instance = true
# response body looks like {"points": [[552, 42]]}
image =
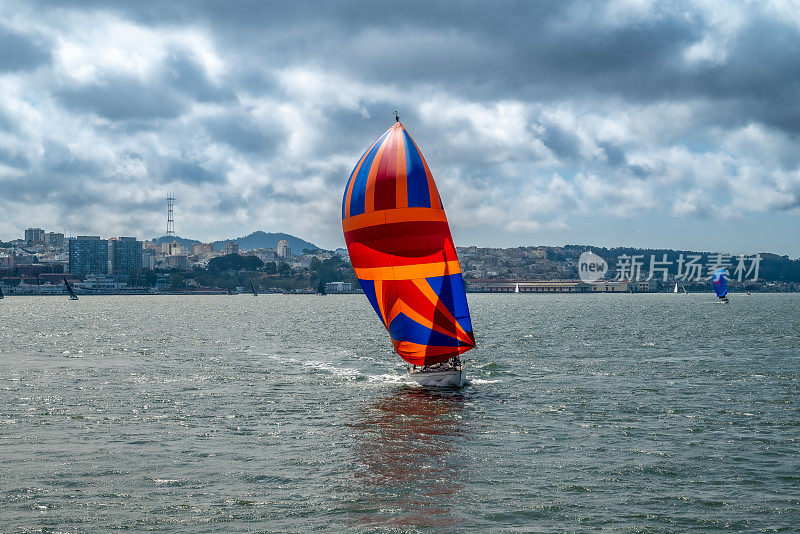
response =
{"points": [[290, 413]]}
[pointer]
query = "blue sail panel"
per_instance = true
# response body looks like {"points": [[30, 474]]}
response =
{"points": [[720, 282]]}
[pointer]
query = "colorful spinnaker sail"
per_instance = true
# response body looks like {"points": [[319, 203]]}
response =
{"points": [[720, 282], [402, 251]]}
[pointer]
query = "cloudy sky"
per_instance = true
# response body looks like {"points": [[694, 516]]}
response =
{"points": [[627, 122]]}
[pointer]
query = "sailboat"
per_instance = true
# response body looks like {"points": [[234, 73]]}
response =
{"points": [[720, 283], [516, 288], [72, 295], [253, 287], [403, 255], [676, 288]]}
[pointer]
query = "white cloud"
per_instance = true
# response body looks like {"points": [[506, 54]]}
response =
{"points": [[270, 142]]}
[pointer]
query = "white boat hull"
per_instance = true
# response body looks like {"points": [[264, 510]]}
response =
{"points": [[449, 378]]}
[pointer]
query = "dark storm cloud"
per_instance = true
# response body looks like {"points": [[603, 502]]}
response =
{"points": [[13, 159], [615, 155], [563, 143], [263, 107], [488, 51], [518, 50], [58, 160], [191, 172], [371, 121], [6, 121], [121, 98], [239, 131], [21, 52], [185, 76], [39, 187], [165, 95], [228, 203]]}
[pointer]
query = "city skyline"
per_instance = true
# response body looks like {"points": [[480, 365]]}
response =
{"points": [[623, 123], [224, 242]]}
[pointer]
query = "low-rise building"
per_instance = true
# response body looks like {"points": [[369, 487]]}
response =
{"points": [[265, 254], [549, 286], [338, 287], [643, 285], [103, 282]]}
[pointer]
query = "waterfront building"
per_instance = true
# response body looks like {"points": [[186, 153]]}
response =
{"points": [[88, 254], [55, 278], [551, 286], [283, 248], [338, 287], [33, 235], [610, 286], [162, 279], [103, 282], [643, 285], [38, 269]]}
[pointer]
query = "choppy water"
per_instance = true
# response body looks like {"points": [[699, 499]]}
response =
{"points": [[288, 413]]}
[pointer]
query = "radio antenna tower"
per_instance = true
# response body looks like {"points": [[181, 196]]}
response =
{"points": [[170, 217]]}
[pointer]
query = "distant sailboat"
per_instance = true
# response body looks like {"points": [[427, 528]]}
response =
{"points": [[253, 287], [72, 295], [403, 255], [676, 288], [720, 283], [516, 288]]}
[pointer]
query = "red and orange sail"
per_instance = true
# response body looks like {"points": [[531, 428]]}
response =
{"points": [[402, 251]]}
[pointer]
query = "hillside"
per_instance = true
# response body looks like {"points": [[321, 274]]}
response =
{"points": [[261, 239], [184, 242], [257, 239]]}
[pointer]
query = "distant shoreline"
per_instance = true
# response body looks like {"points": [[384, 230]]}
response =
{"points": [[194, 293], [225, 293]]}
